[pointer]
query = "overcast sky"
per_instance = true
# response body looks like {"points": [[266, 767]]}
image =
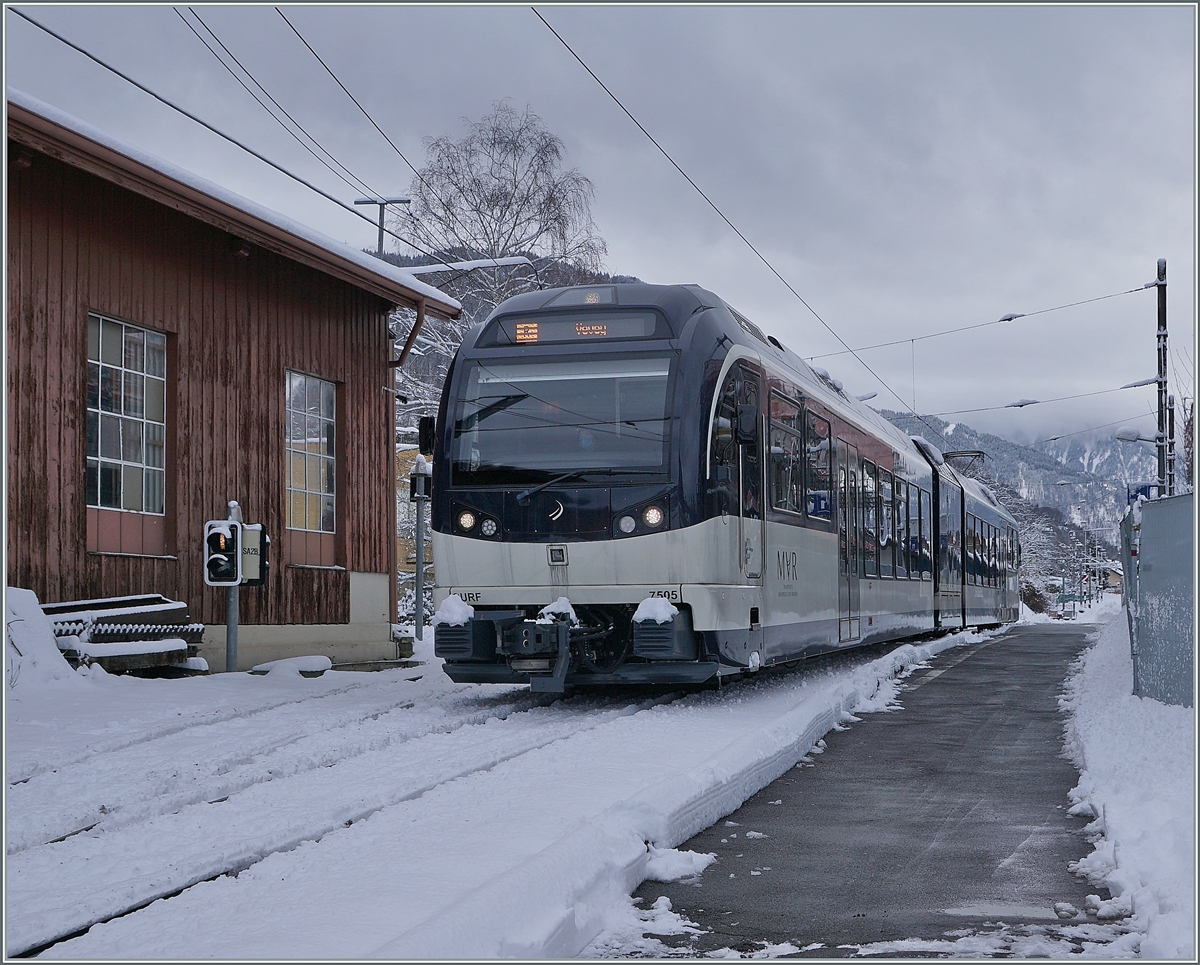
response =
{"points": [[907, 169]]}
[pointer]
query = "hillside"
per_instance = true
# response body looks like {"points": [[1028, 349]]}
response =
{"points": [[1054, 519]]}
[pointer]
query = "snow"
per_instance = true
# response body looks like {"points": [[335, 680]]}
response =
{"points": [[32, 658], [1135, 757], [421, 466], [560, 607], [453, 612], [316, 664], [96, 651], [930, 450], [669, 864], [252, 208], [398, 815], [656, 608]]}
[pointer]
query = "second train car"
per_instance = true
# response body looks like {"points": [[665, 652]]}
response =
{"points": [[706, 502]]}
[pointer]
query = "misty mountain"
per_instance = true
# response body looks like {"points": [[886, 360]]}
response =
{"points": [[1106, 457], [1095, 474], [1056, 521]]}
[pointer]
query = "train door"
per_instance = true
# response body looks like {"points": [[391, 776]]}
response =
{"points": [[848, 542], [948, 572], [750, 472]]}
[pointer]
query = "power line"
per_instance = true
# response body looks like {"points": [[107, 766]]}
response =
{"points": [[770, 267], [967, 328], [1026, 402], [382, 133], [1063, 435], [232, 140], [359, 186]]}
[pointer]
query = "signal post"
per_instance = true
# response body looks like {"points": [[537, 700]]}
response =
{"points": [[235, 554]]}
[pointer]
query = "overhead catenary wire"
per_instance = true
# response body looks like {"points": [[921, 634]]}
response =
{"points": [[761, 257], [1028, 402], [967, 328], [234, 141], [1076, 432], [365, 113], [774, 271], [348, 178]]}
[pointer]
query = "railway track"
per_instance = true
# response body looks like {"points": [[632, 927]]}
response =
{"points": [[217, 798], [352, 804]]}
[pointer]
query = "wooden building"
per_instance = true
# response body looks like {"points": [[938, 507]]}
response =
{"points": [[173, 346]]}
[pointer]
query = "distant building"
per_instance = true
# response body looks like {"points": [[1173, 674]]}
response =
{"points": [[173, 346]]}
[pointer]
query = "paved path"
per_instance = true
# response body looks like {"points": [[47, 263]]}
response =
{"points": [[946, 815]]}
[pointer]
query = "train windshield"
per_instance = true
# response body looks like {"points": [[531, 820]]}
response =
{"points": [[521, 421]]}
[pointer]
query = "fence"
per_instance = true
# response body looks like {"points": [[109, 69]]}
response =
{"points": [[1157, 553]]}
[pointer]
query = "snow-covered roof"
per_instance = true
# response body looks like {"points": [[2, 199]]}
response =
{"points": [[79, 144]]}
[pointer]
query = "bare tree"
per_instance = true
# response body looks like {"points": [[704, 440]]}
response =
{"points": [[501, 190]]}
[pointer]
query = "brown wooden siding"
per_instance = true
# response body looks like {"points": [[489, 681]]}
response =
{"points": [[235, 325]]}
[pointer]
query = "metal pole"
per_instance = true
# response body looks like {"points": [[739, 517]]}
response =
{"points": [[420, 541], [231, 605], [1161, 441], [231, 628], [382, 207], [1170, 445]]}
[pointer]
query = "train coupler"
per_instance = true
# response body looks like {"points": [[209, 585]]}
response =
{"points": [[556, 682]]}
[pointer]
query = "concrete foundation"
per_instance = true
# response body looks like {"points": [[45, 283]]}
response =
{"points": [[340, 642]]}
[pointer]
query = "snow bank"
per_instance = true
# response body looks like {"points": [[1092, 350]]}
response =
{"points": [[32, 657], [656, 608], [559, 900], [454, 612], [294, 666], [670, 864], [1135, 757]]}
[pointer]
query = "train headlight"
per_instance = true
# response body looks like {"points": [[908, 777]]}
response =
{"points": [[653, 516], [466, 520], [488, 527], [626, 524]]}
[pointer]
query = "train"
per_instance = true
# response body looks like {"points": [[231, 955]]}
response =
{"points": [[632, 484]]}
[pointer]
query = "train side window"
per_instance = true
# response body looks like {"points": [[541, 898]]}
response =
{"points": [[924, 547], [817, 476], [981, 553], [787, 469], [993, 556], [723, 474], [972, 550], [901, 529], [870, 533], [786, 462], [887, 523], [911, 534]]}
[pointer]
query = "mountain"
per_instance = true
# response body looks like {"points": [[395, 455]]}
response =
{"points": [[1105, 457], [1084, 483], [1056, 521]]}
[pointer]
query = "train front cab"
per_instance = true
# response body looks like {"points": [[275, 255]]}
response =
{"points": [[792, 520]]}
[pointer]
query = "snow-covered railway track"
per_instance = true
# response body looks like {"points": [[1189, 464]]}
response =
{"points": [[212, 760], [160, 847], [23, 767]]}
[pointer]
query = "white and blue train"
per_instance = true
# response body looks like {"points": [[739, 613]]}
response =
{"points": [[622, 443]]}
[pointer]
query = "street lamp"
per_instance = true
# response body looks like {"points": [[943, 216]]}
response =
{"points": [[383, 203], [1133, 434]]}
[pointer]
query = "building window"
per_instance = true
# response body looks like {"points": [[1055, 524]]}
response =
{"points": [[311, 462], [126, 416]]}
